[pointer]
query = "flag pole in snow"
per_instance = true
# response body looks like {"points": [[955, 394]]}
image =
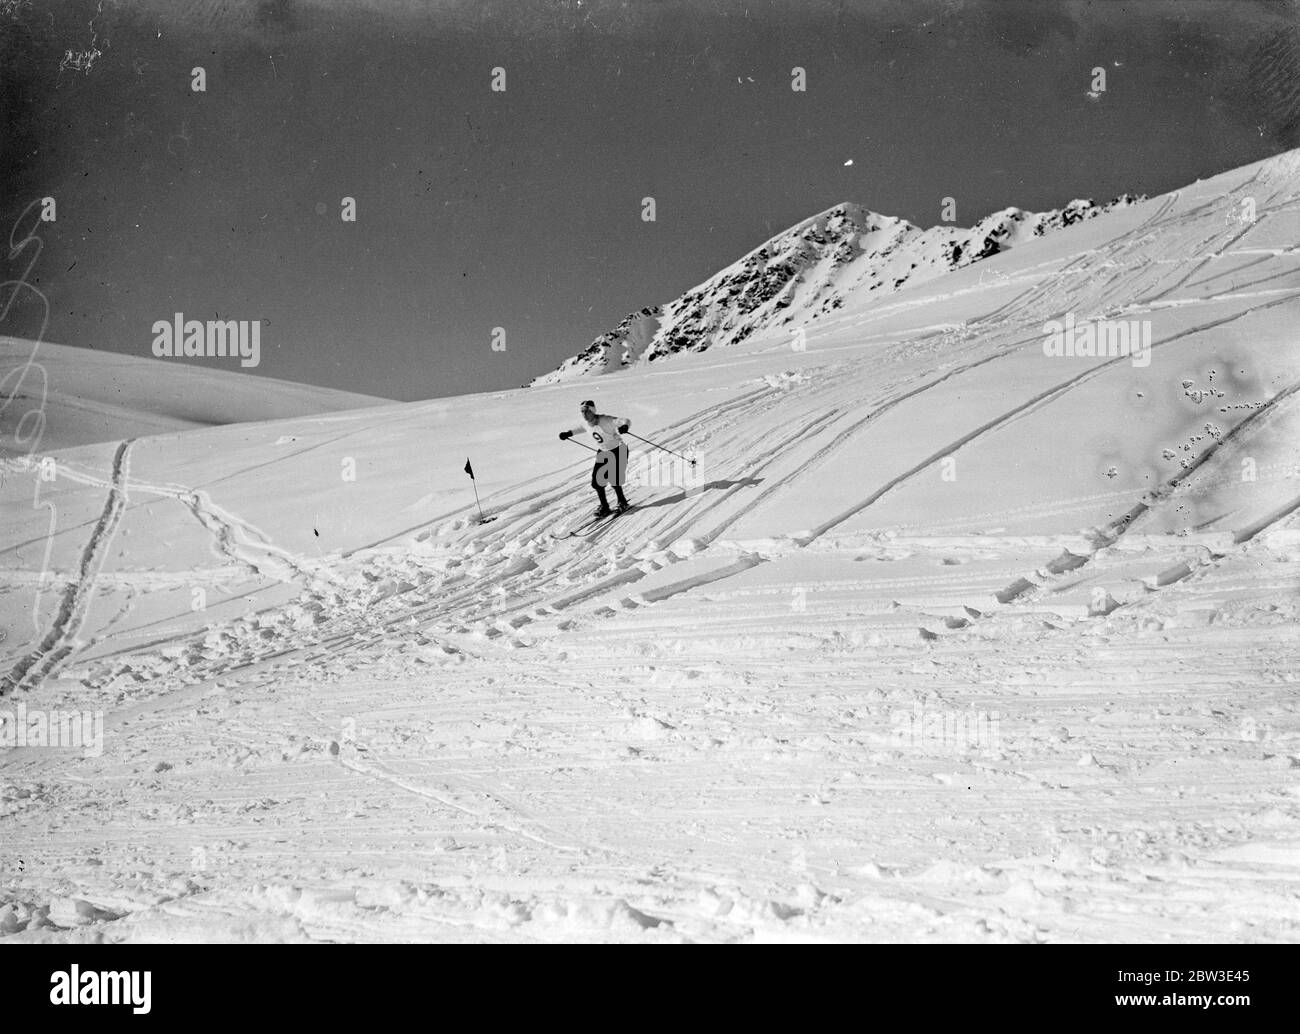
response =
{"points": [[470, 471]]}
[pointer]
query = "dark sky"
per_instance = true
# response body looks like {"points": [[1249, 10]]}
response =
{"points": [[522, 209]]}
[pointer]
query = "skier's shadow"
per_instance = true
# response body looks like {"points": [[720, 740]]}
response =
{"points": [[685, 494]]}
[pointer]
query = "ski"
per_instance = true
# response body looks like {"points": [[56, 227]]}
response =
{"points": [[587, 526], [602, 524], [576, 528]]}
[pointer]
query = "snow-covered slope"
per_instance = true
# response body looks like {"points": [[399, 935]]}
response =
{"points": [[811, 269], [946, 637], [87, 396]]}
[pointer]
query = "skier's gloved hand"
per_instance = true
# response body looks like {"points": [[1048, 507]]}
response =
{"points": [[623, 428], [565, 435]]}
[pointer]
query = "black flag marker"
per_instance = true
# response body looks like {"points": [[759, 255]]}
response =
{"points": [[474, 481]]}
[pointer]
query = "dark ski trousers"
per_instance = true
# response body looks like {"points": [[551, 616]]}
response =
{"points": [[611, 465]]}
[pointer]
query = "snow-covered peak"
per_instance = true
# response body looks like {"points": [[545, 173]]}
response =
{"points": [[808, 270]]}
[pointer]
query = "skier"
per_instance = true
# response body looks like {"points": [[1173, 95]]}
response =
{"points": [[611, 459]]}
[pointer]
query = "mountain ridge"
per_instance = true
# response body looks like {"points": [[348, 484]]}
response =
{"points": [[810, 269]]}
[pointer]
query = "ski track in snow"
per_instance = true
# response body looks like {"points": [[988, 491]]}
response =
{"points": [[61, 637]]}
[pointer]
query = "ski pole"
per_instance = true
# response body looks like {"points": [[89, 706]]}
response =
{"points": [[658, 446], [581, 446]]}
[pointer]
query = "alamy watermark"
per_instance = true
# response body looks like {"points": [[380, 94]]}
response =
{"points": [[58, 730], [1098, 338], [190, 339], [661, 470], [945, 730], [132, 988]]}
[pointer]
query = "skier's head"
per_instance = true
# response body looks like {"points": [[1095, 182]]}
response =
{"points": [[588, 409]]}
